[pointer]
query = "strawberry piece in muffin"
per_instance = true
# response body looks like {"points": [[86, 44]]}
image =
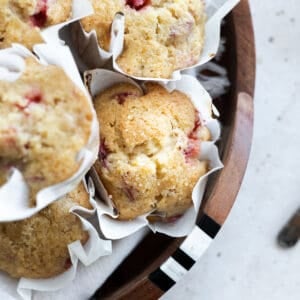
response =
{"points": [[160, 36], [21, 20], [137, 4], [45, 121], [39, 18]]}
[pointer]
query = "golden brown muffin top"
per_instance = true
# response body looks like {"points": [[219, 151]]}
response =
{"points": [[37, 247], [161, 36], [150, 146], [21, 20], [45, 120]]}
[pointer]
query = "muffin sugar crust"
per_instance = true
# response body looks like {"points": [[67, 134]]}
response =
{"points": [[161, 36], [150, 147], [37, 247], [45, 120], [21, 20]]}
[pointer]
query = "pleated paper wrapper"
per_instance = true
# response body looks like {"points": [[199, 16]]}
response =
{"points": [[86, 254], [89, 55], [14, 204], [80, 9], [97, 81]]}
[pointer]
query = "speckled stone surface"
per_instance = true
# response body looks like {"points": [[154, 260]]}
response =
{"points": [[245, 262]]}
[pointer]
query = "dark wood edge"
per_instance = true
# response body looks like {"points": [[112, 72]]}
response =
{"points": [[227, 185], [142, 289], [127, 291], [235, 158]]}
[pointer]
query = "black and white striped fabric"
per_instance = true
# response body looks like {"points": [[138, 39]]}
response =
{"points": [[192, 248]]}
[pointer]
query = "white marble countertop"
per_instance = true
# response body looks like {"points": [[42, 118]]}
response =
{"points": [[244, 262]]}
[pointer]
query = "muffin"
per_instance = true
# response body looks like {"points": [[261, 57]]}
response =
{"points": [[38, 247], [21, 20], [161, 36], [150, 148], [45, 120]]}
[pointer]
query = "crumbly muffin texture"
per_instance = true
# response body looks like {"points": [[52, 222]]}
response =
{"points": [[45, 120], [161, 36], [38, 247], [150, 147], [21, 20]]}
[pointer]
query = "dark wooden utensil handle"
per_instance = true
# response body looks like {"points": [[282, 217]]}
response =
{"points": [[290, 233]]}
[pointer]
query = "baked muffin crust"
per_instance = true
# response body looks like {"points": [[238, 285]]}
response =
{"points": [[45, 120], [161, 36], [21, 20], [150, 146], [37, 247]]}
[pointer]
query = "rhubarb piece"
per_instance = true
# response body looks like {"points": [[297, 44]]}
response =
{"points": [[137, 4], [39, 19]]}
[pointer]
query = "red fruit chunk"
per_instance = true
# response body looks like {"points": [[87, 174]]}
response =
{"points": [[34, 96], [193, 149], [68, 264], [137, 4], [121, 98], [39, 19], [103, 153], [194, 133], [129, 192]]}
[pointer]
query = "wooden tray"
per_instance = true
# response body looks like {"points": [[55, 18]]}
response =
{"points": [[135, 277]]}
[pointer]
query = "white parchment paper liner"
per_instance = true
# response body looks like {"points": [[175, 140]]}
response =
{"points": [[94, 248], [14, 202], [89, 55], [212, 75], [97, 81], [80, 9]]}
